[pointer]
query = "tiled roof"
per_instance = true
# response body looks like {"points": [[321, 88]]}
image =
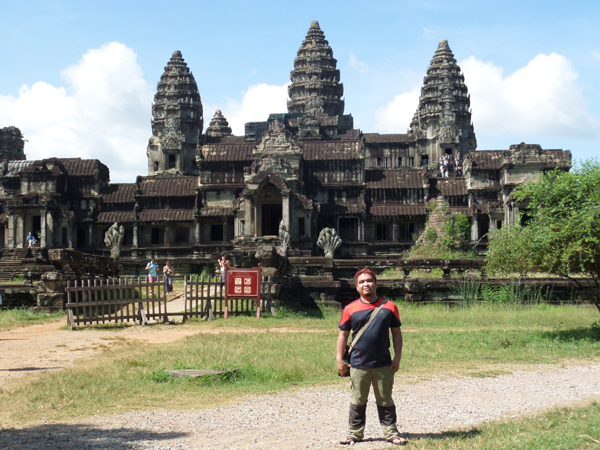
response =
{"points": [[169, 186], [341, 208], [216, 211], [115, 216], [451, 187], [323, 150], [230, 148], [487, 159], [394, 179], [350, 135], [84, 167], [167, 215], [15, 167], [467, 211], [118, 193], [397, 210], [372, 138]]}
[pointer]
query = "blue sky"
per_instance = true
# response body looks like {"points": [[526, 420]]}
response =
{"points": [[78, 77]]}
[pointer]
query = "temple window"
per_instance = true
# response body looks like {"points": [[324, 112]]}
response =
{"points": [[216, 232], [155, 236], [172, 161], [381, 232], [406, 231]]}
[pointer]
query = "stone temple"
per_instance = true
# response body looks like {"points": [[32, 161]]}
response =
{"points": [[208, 191]]}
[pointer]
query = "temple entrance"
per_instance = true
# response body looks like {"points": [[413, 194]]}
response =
{"points": [[271, 217]]}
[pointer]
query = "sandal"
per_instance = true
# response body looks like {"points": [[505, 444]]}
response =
{"points": [[349, 441], [398, 440]]}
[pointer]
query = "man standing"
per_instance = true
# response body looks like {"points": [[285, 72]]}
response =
{"points": [[370, 359]]}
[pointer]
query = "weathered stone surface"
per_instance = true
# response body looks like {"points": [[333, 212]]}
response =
{"points": [[83, 263]]}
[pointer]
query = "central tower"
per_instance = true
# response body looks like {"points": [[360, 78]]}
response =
{"points": [[316, 87]]}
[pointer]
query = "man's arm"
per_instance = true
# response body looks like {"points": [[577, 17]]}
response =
{"points": [[343, 367], [397, 343]]}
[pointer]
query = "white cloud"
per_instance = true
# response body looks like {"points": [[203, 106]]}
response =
{"points": [[103, 114], [259, 101], [360, 66], [596, 55], [542, 98], [395, 116]]}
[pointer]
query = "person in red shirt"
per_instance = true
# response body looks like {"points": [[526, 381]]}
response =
{"points": [[370, 362]]}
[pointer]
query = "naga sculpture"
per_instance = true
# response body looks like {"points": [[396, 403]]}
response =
{"points": [[329, 241], [113, 238], [284, 235]]}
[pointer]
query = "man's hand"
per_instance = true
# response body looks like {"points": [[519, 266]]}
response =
{"points": [[343, 366], [395, 364]]}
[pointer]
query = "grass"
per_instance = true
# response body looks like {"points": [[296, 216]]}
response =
{"points": [[14, 318], [564, 428], [297, 350]]}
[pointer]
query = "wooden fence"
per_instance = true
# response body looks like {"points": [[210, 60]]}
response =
{"points": [[205, 297], [105, 300]]}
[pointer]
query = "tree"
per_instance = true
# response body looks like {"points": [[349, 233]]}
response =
{"points": [[562, 233]]}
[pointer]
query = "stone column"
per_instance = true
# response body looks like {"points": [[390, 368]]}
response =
{"points": [[70, 234], [91, 234], [197, 232], [225, 220], [20, 231], [136, 235], [474, 229], [395, 230], [43, 240], [50, 230], [285, 209], [361, 229], [167, 236], [11, 232], [248, 212]]}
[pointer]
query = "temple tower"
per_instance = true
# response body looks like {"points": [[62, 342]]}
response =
{"points": [[11, 144], [443, 117], [316, 87], [176, 121], [218, 127]]}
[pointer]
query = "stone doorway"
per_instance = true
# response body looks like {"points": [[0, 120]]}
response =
{"points": [[271, 217]]}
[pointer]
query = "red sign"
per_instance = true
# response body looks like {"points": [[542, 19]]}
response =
{"points": [[243, 283]]}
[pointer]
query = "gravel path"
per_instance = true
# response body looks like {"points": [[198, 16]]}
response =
{"points": [[316, 418]]}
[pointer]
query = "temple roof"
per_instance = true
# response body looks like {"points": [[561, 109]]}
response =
{"points": [[219, 126], [316, 87]]}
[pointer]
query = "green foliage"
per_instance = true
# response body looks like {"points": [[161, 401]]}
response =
{"points": [[470, 291], [431, 235], [562, 235]]}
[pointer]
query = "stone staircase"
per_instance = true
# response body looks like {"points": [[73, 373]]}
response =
{"points": [[11, 262]]}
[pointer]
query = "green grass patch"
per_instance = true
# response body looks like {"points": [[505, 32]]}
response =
{"points": [[298, 350], [564, 428], [13, 318]]}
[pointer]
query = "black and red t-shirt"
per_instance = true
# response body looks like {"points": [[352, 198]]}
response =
{"points": [[373, 348]]}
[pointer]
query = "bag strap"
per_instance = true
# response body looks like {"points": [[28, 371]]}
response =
{"points": [[364, 328]]}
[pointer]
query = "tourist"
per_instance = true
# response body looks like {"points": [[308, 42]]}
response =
{"points": [[151, 268], [31, 239], [168, 272], [223, 266], [373, 318]]}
